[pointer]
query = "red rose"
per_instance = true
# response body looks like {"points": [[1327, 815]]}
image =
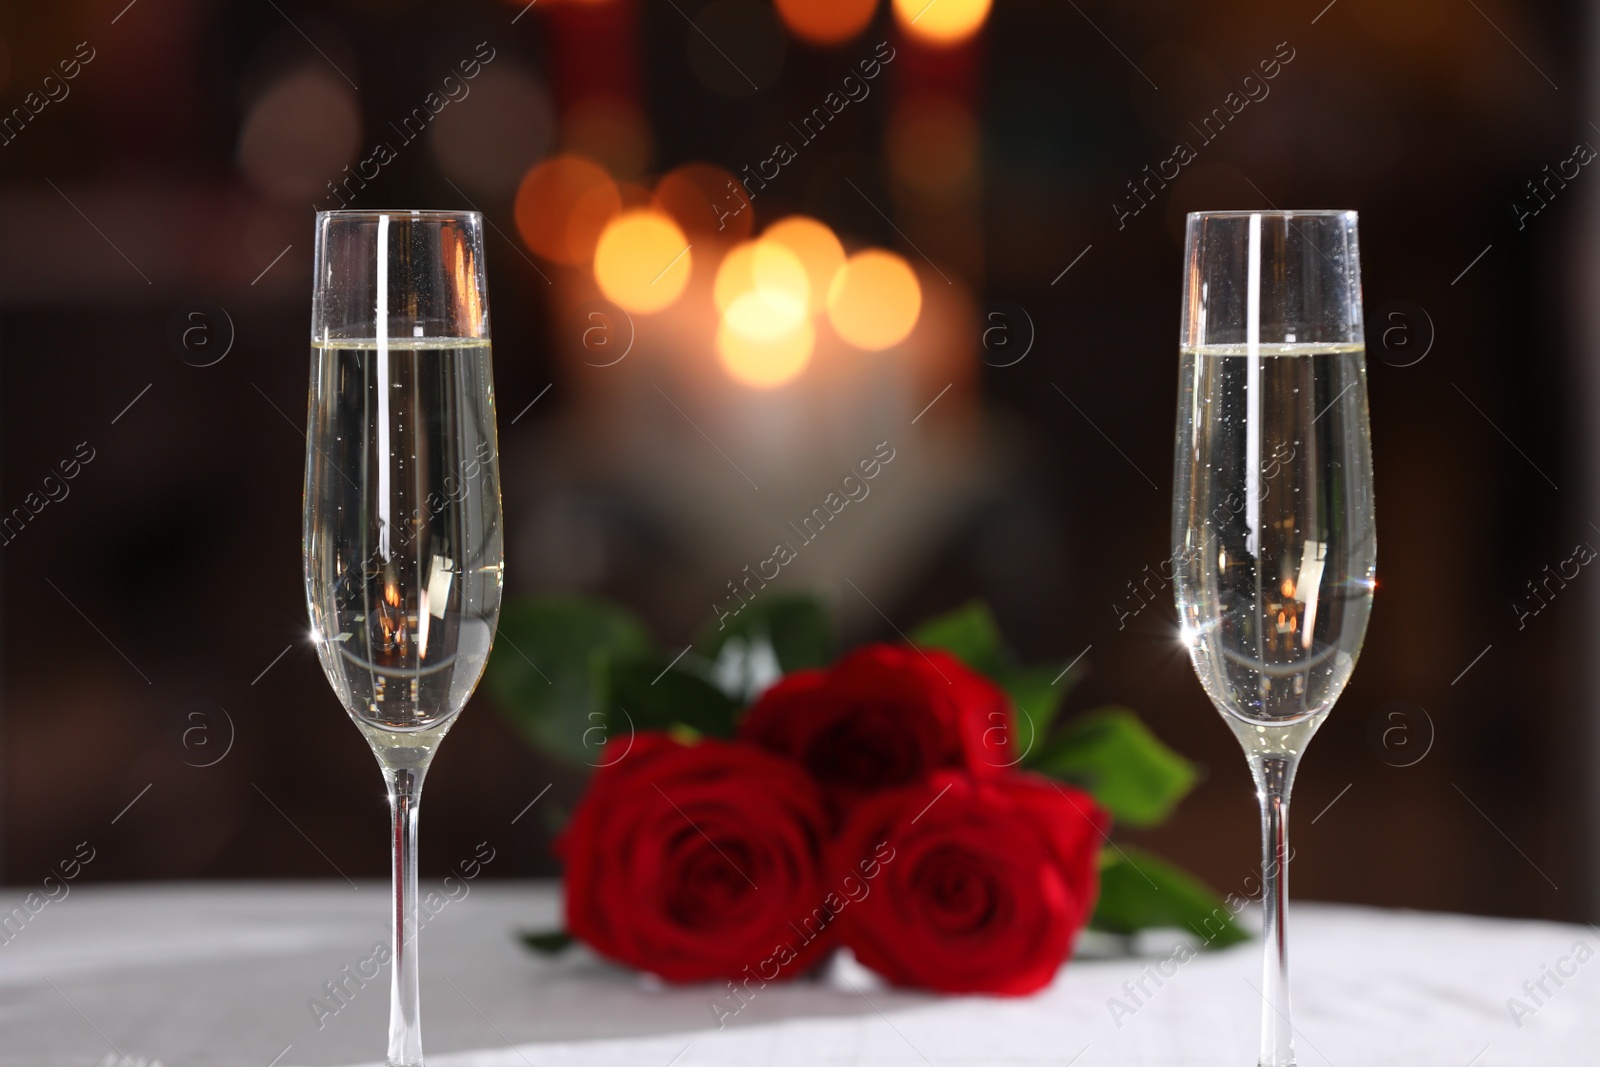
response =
{"points": [[884, 716], [983, 885], [696, 861]]}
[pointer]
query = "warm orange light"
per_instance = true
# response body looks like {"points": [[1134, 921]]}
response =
{"points": [[561, 206], [736, 275], [817, 248], [764, 293], [874, 300], [762, 290], [826, 21], [941, 22], [706, 201], [763, 266], [765, 315], [932, 145], [764, 362], [589, 216], [642, 261], [778, 273]]}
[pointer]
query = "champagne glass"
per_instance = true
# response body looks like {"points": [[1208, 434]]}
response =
{"points": [[1274, 548], [403, 548]]}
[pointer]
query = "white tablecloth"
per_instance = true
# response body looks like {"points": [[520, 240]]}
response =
{"points": [[222, 975]]}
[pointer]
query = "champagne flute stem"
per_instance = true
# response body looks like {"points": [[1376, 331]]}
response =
{"points": [[1274, 776], [405, 1009]]}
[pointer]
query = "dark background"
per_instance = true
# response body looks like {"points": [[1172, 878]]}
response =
{"points": [[153, 600]]}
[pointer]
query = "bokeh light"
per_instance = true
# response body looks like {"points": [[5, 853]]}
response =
{"points": [[486, 146], [763, 362], [875, 300], [562, 205], [941, 22], [591, 212], [642, 261], [706, 201], [300, 135], [764, 292], [767, 267], [778, 272], [817, 249], [766, 313], [736, 275], [932, 148], [826, 21]]}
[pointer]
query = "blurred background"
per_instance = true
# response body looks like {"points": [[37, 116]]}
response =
{"points": [[979, 271]]}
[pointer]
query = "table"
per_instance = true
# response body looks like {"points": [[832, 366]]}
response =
{"points": [[221, 975]]}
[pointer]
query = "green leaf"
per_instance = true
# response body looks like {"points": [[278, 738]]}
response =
{"points": [[547, 942], [650, 694], [1131, 773], [970, 635], [1036, 698], [796, 625], [1140, 892], [547, 670]]}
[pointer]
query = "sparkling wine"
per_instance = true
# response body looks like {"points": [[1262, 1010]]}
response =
{"points": [[1273, 542], [1275, 550], [403, 560], [403, 545]]}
